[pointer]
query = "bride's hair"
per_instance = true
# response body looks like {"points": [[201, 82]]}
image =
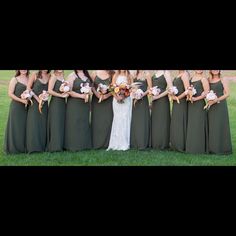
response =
{"points": [[127, 74]]}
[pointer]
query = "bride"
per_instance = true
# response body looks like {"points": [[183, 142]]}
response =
{"points": [[120, 133]]}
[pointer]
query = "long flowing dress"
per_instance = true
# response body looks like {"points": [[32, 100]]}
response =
{"points": [[121, 125], [77, 125], [140, 123], [56, 121], [219, 126], [36, 130], [15, 135], [160, 117], [197, 130], [178, 127], [102, 117]]}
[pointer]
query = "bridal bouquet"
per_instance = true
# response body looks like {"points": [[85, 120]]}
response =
{"points": [[64, 88], [102, 89], [191, 92], [43, 97], [173, 91], [154, 91], [136, 95], [122, 90], [27, 95], [211, 96], [87, 90]]}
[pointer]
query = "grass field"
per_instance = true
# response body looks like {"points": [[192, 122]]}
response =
{"points": [[114, 158]]}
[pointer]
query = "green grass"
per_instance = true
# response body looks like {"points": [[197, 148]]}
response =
{"points": [[114, 158]]}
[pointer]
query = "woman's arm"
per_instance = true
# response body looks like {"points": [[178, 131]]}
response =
{"points": [[185, 79], [31, 81], [206, 88], [11, 91], [226, 92], [51, 85]]}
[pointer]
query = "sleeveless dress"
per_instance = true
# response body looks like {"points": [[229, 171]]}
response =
{"points": [[219, 126], [140, 123], [121, 125], [56, 121], [178, 128], [197, 130], [77, 125], [160, 117], [102, 117], [36, 130], [15, 135]]}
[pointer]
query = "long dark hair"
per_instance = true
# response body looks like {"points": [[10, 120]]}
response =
{"points": [[39, 73], [86, 73], [18, 73]]}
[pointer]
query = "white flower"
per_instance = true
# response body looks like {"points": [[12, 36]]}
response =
{"points": [[85, 88], [64, 88], [155, 91], [174, 90], [211, 96], [137, 94], [102, 88]]}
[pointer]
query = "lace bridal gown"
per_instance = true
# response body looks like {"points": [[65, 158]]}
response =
{"points": [[120, 133]]}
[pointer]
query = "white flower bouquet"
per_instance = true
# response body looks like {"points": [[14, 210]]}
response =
{"points": [[191, 92], [173, 91], [211, 96], [27, 95], [87, 90], [43, 97], [102, 89]]}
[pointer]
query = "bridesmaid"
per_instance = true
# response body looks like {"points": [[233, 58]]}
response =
{"points": [[218, 117], [178, 127], [197, 132], [56, 113], [140, 123], [15, 135], [77, 125], [36, 129], [102, 113], [160, 118]]}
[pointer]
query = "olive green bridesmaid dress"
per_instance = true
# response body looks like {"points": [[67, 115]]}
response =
{"points": [[36, 129], [178, 127], [219, 126], [56, 121], [140, 123], [102, 117], [160, 117], [15, 136], [197, 130], [77, 128]]}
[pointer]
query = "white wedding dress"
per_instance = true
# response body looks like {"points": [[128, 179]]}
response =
{"points": [[120, 133]]}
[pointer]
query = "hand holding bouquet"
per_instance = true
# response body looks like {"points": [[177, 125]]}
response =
{"points": [[136, 95], [173, 91], [154, 91], [64, 88], [43, 97], [87, 90], [102, 89], [27, 95], [122, 90], [211, 96], [191, 92]]}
